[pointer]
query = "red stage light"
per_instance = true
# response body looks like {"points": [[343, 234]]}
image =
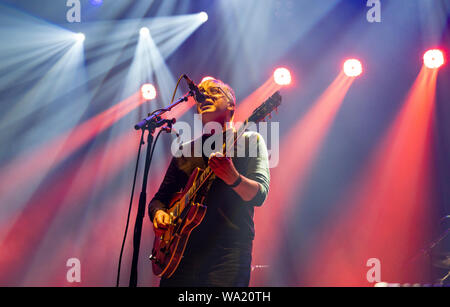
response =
{"points": [[352, 68], [148, 91], [380, 207], [282, 76], [433, 58]]}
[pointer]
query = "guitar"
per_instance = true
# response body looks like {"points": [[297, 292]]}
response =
{"points": [[186, 209]]}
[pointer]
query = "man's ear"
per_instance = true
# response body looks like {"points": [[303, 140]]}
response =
{"points": [[230, 106]]}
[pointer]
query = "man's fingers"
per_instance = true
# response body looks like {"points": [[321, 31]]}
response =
{"points": [[161, 220], [216, 156], [166, 219], [161, 227], [218, 162]]}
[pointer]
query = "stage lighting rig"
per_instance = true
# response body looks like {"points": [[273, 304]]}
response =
{"points": [[353, 68], [148, 91], [433, 58], [282, 76]]}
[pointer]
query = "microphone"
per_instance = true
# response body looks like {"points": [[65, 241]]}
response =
{"points": [[194, 88]]}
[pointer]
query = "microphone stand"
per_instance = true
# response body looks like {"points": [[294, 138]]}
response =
{"points": [[152, 122]]}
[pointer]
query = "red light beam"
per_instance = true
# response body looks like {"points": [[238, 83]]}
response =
{"points": [[39, 161], [388, 210], [249, 104], [296, 159]]}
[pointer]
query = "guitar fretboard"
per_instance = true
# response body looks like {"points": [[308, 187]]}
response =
{"points": [[208, 173]]}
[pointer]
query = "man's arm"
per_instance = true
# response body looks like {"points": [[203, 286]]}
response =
{"points": [[173, 182], [224, 168], [254, 185]]}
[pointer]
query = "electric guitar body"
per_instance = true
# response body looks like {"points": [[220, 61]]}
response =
{"points": [[185, 216]]}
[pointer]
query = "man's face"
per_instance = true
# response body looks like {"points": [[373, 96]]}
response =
{"points": [[217, 104]]}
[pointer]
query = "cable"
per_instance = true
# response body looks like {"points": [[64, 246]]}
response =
{"points": [[176, 88], [173, 97]]}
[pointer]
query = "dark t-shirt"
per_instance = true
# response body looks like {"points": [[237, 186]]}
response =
{"points": [[228, 219]]}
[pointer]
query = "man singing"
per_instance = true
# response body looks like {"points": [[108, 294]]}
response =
{"points": [[219, 251]]}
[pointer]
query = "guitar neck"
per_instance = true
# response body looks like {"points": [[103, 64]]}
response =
{"points": [[208, 173]]}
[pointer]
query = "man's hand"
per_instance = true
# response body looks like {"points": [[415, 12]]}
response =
{"points": [[160, 222], [223, 167]]}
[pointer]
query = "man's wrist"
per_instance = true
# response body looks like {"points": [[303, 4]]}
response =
{"points": [[236, 182]]}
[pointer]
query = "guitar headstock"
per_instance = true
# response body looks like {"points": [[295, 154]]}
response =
{"points": [[266, 108]]}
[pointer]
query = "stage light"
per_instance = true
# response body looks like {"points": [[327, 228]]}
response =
{"points": [[80, 37], [203, 16], [353, 68], [144, 31], [148, 91], [282, 76], [96, 2], [433, 58], [207, 78]]}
